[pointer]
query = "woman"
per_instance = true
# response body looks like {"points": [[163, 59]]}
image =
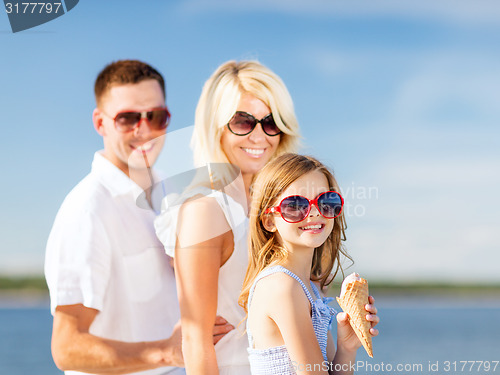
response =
{"points": [[244, 118]]}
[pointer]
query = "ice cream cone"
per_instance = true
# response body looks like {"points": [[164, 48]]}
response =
{"points": [[353, 302]]}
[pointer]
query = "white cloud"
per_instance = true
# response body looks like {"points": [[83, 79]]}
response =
{"points": [[466, 80], [428, 79], [329, 63], [437, 171]]}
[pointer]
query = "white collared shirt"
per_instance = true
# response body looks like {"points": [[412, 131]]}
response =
{"points": [[103, 252]]}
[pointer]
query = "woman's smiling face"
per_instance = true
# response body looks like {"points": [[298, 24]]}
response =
{"points": [[250, 152]]}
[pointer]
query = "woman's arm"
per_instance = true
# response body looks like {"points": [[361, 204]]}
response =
{"points": [[204, 241]]}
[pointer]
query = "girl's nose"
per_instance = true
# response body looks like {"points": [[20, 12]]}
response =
{"points": [[314, 211]]}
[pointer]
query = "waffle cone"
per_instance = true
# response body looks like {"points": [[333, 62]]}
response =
{"points": [[353, 303]]}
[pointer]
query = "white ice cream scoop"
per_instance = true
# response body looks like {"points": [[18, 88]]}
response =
{"points": [[349, 279]]}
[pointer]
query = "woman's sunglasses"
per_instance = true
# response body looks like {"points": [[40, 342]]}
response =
{"points": [[296, 208], [157, 118], [243, 123]]}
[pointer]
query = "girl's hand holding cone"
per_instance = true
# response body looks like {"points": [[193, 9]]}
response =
{"points": [[346, 338]]}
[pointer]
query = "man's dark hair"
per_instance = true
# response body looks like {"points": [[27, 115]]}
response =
{"points": [[124, 72]]}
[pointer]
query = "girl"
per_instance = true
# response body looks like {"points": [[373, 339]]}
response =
{"points": [[296, 225]]}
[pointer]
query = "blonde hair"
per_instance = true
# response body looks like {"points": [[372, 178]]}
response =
{"points": [[264, 247], [219, 100]]}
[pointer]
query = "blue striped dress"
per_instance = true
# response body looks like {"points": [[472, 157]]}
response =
{"points": [[276, 360]]}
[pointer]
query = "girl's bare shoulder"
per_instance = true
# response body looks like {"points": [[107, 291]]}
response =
{"points": [[278, 291]]}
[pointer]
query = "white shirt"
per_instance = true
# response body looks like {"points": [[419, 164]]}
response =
{"points": [[103, 253]]}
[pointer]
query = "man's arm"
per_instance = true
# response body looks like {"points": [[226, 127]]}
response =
{"points": [[74, 348]]}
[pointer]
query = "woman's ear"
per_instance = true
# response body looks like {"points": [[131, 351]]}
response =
{"points": [[268, 222]]}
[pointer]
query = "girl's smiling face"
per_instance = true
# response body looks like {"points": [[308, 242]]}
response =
{"points": [[313, 231]]}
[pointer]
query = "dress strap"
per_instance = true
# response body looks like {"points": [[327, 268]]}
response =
{"points": [[316, 291]]}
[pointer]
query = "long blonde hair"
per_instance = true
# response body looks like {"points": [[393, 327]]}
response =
{"points": [[220, 97], [265, 248]]}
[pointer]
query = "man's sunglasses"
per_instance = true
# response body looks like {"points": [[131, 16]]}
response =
{"points": [[296, 208], [157, 119], [243, 123]]}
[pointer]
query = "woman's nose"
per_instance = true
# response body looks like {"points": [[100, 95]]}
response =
{"points": [[257, 134]]}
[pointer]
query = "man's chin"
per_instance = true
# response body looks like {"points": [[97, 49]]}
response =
{"points": [[139, 160]]}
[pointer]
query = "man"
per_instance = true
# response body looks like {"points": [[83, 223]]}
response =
{"points": [[112, 288]]}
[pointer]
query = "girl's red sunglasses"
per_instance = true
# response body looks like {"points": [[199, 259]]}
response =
{"points": [[296, 208]]}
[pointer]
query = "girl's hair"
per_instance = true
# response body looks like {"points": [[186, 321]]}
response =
{"points": [[264, 247], [220, 97]]}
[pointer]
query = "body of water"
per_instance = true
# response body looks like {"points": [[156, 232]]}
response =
{"points": [[25, 341], [419, 335]]}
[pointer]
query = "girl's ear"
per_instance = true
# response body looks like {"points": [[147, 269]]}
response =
{"points": [[268, 222]]}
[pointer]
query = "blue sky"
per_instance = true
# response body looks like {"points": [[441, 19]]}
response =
{"points": [[401, 98]]}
